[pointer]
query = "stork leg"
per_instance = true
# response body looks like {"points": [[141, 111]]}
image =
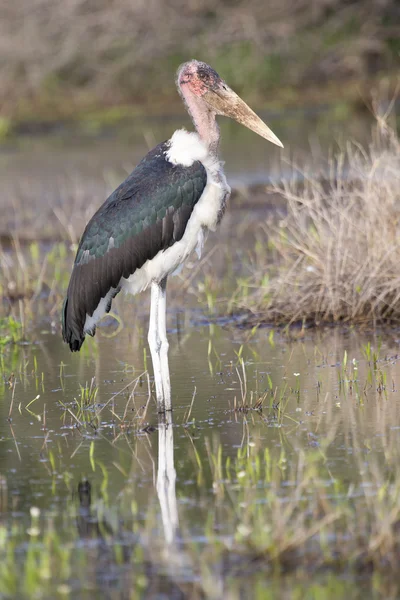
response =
{"points": [[162, 324], [158, 343]]}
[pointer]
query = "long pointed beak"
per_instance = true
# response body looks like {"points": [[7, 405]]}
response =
{"points": [[227, 103]]}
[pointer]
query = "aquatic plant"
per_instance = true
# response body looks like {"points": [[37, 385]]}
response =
{"points": [[11, 331]]}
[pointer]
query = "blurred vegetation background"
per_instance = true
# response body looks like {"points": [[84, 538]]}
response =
{"points": [[59, 56]]}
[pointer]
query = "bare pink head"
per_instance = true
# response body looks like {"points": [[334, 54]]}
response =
{"points": [[197, 78], [207, 95]]}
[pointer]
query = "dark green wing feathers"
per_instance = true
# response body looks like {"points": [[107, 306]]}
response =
{"points": [[146, 214]]}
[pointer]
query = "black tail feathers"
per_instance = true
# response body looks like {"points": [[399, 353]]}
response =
{"points": [[71, 335]]}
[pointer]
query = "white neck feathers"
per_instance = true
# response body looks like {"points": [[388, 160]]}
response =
{"points": [[185, 148]]}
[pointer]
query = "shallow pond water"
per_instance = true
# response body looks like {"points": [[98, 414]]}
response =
{"points": [[320, 396]]}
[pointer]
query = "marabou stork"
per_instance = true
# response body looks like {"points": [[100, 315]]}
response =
{"points": [[157, 217]]}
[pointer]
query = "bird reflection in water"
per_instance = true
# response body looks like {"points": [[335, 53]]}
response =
{"points": [[166, 476], [88, 524], [101, 532]]}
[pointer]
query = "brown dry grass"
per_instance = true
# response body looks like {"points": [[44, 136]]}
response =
{"points": [[338, 248]]}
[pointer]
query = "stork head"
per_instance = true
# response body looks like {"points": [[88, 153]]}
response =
{"points": [[198, 81]]}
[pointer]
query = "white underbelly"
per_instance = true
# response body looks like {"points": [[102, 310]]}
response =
{"points": [[159, 267], [203, 218]]}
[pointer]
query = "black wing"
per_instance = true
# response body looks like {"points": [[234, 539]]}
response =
{"points": [[147, 213]]}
